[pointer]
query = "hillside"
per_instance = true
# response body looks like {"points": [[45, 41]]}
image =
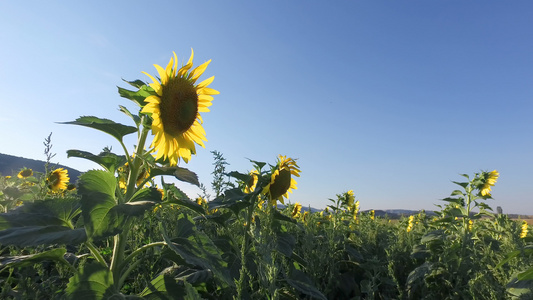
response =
{"points": [[10, 165]]}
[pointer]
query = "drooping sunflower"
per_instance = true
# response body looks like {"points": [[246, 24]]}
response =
{"points": [[176, 108], [296, 210], [491, 179], [58, 180], [25, 173], [252, 183], [281, 180]]}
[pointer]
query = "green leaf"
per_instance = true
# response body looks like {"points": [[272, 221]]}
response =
{"points": [[176, 196], [116, 130], [433, 236], [463, 184], [102, 216], [164, 286], [93, 281], [106, 159], [139, 95], [182, 174], [457, 193], [147, 194], [197, 249], [240, 176], [29, 260], [285, 243], [526, 275], [520, 289], [42, 222], [303, 284], [136, 119]]}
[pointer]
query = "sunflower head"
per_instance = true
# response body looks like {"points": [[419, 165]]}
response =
{"points": [[296, 210], [25, 173], [281, 180], [252, 182], [175, 109], [58, 180], [488, 179]]}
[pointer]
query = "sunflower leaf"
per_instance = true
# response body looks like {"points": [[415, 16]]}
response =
{"points": [[28, 260], [93, 281], [138, 96], [135, 118], [42, 222], [101, 214], [182, 174], [106, 159], [110, 127]]}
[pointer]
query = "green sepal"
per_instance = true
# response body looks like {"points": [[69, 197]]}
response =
{"points": [[106, 158], [93, 281], [110, 127], [180, 173]]}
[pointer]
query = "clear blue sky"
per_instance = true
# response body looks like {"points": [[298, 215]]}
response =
{"points": [[392, 99]]}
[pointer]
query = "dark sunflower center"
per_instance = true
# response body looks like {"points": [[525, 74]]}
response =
{"points": [[179, 106], [281, 184]]}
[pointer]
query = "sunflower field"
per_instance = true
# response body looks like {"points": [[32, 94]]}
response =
{"points": [[122, 232]]}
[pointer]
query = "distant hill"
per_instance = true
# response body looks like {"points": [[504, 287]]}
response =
{"points": [[10, 165]]}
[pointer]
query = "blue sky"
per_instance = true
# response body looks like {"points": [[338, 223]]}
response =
{"points": [[392, 99]]}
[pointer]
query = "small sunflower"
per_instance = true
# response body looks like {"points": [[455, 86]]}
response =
{"points": [[252, 183], [58, 180], [25, 173], [176, 108], [411, 223], [492, 177], [281, 181], [524, 231], [296, 210]]}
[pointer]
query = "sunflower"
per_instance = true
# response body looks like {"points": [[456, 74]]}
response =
{"points": [[296, 210], [252, 182], [281, 181], [25, 173], [58, 180], [523, 233], [175, 109], [492, 177]]}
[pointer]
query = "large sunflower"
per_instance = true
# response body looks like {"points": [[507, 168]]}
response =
{"points": [[25, 173], [58, 180], [176, 109], [281, 181]]}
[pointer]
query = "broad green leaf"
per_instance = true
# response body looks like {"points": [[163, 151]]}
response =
{"points": [[164, 286], [432, 236], [93, 281], [135, 83], [97, 190], [42, 222], [463, 184], [106, 159], [457, 193], [303, 284], [526, 275], [240, 176], [137, 96], [197, 249], [102, 216], [177, 196], [136, 119], [42, 235], [147, 194], [29, 260], [182, 174], [116, 130], [520, 289], [285, 243]]}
